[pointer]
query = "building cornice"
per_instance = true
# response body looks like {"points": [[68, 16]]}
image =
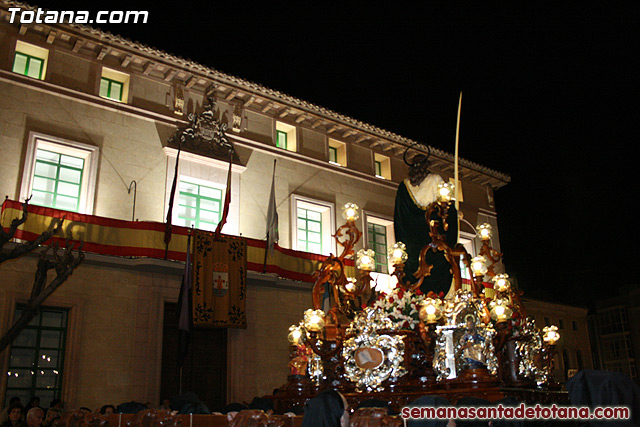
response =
{"points": [[168, 67]]}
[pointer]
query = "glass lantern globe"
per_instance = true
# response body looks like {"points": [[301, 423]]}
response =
{"points": [[295, 334], [314, 320], [550, 334], [484, 231], [478, 266], [430, 310], [446, 191], [500, 310], [365, 260], [350, 212], [501, 282], [398, 253]]}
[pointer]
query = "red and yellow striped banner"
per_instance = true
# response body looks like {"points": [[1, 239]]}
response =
{"points": [[108, 236]]}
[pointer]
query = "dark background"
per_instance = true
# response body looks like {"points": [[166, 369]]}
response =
{"points": [[550, 96]]}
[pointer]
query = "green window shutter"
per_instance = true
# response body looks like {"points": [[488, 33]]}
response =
{"points": [[37, 357], [104, 87], [378, 242], [199, 206], [281, 139], [28, 65], [57, 180], [111, 89], [20, 63], [309, 230], [378, 168], [35, 68], [333, 154]]}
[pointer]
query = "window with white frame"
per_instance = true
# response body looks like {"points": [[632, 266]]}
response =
{"points": [[380, 237], [114, 85], [60, 173], [337, 152], [312, 225], [199, 205], [30, 60], [382, 166], [201, 190], [286, 136]]}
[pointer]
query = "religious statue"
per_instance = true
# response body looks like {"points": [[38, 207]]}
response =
{"points": [[472, 344], [414, 195]]}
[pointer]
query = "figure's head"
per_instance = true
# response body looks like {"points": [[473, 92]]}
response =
{"points": [[35, 417], [470, 320], [419, 169]]}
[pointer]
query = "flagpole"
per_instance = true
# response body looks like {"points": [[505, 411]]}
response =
{"points": [[455, 165], [266, 246], [266, 251], [167, 229], [227, 199]]}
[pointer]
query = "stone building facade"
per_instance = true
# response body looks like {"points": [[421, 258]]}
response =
{"points": [[574, 347], [107, 106]]}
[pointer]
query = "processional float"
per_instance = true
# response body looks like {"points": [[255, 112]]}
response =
{"points": [[397, 344]]}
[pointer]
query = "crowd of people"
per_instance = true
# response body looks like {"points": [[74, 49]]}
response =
{"points": [[31, 415], [330, 408]]}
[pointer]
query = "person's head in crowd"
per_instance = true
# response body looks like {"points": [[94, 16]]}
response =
{"points": [[56, 403], [35, 416], [33, 402], [165, 404], [261, 403], [327, 409], [15, 412], [14, 399], [108, 409], [85, 410], [52, 414]]}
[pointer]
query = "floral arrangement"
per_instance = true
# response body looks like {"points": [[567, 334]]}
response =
{"points": [[402, 307]]}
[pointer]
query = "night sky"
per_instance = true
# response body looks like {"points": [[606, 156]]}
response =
{"points": [[550, 96]]}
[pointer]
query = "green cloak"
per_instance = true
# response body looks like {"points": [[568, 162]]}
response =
{"points": [[411, 228]]}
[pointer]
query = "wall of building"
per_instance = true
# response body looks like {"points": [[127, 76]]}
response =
{"points": [[114, 335], [114, 338], [564, 316]]}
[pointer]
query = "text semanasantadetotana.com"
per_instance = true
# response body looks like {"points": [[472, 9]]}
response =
{"points": [[40, 16], [522, 412]]}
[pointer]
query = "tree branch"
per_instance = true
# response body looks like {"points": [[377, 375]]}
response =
{"points": [[64, 266], [17, 222], [26, 247]]}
